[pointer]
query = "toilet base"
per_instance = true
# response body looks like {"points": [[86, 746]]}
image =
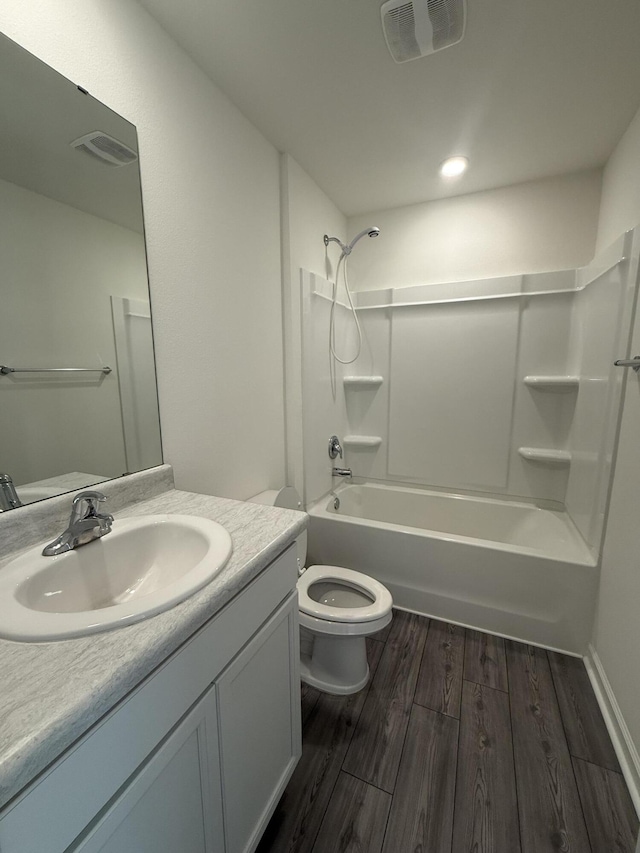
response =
{"points": [[337, 664]]}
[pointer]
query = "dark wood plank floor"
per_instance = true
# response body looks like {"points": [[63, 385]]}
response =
{"points": [[440, 683], [376, 747], [486, 778], [460, 743]]}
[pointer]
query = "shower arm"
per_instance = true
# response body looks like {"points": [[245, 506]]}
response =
{"points": [[372, 231], [346, 250]]}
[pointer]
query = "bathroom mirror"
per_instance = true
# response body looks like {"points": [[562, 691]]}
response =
{"points": [[78, 399]]}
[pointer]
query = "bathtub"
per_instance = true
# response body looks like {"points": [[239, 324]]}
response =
{"points": [[500, 566]]}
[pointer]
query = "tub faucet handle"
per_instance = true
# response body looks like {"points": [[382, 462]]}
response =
{"points": [[335, 448]]}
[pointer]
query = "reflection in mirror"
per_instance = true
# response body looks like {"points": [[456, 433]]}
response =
{"points": [[73, 290]]}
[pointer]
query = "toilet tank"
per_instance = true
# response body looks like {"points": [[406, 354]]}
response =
{"points": [[285, 498]]}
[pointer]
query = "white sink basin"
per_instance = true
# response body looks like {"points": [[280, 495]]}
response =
{"points": [[144, 566]]}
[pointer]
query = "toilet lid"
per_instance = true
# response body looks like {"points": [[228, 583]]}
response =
{"points": [[376, 598]]}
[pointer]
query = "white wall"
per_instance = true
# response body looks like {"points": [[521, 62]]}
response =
{"points": [[307, 215], [310, 215], [211, 196], [534, 227], [620, 207], [53, 257], [617, 627], [616, 637]]}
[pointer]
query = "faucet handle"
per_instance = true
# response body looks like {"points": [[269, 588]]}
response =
{"points": [[85, 505], [8, 496], [335, 447]]}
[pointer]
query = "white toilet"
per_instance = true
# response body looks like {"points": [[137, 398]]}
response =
{"points": [[338, 609]]}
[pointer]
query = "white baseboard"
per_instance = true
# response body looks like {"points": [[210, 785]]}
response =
{"points": [[616, 726]]}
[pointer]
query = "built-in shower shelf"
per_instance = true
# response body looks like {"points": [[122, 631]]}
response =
{"points": [[545, 456], [362, 442], [552, 383], [362, 381]]}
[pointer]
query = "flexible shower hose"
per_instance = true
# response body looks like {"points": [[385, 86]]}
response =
{"points": [[332, 327]]}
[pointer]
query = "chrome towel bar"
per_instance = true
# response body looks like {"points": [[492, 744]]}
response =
{"points": [[5, 371], [629, 362]]}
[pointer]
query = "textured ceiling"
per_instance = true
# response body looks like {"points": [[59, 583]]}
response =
{"points": [[536, 88]]}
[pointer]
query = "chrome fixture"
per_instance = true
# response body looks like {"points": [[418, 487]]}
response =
{"points": [[8, 496], [629, 362], [336, 502], [5, 371], [341, 472], [372, 231], [85, 524], [347, 249], [335, 448]]}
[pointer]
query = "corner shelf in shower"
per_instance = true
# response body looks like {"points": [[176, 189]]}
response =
{"points": [[545, 455], [552, 383], [362, 382], [362, 442]]}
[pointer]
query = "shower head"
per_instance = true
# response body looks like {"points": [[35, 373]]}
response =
{"points": [[372, 231], [369, 232]]}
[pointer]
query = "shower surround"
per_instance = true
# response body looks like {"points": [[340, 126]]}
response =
{"points": [[498, 394]]}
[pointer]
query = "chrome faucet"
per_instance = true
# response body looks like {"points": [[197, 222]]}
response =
{"points": [[341, 472], [8, 496], [85, 524]]}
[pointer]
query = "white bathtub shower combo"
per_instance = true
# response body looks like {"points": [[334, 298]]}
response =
{"points": [[480, 423]]}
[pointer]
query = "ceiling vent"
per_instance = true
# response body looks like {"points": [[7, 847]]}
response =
{"points": [[106, 148], [420, 27]]}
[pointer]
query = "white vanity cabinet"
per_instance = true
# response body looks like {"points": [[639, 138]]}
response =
{"points": [[255, 722], [173, 803], [195, 759]]}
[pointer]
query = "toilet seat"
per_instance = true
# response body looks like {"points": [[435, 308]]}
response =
{"points": [[317, 612], [351, 606]]}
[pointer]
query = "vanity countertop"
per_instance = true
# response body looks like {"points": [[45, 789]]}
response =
{"points": [[52, 693]]}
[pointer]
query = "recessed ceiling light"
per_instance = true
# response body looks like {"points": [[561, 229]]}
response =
{"points": [[454, 167]]}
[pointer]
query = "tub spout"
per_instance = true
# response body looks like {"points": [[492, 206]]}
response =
{"points": [[341, 472]]}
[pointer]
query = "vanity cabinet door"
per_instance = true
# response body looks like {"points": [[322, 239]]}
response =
{"points": [[259, 724], [172, 805]]}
